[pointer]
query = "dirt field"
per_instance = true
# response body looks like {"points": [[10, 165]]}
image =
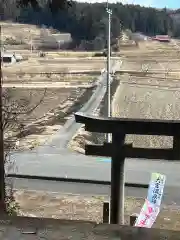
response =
{"points": [[56, 107], [142, 96], [145, 102], [26, 81], [16, 31], [65, 94], [49, 80], [78, 207], [152, 96], [53, 98], [37, 66], [145, 94]]}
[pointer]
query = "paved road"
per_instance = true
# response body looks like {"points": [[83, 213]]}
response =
{"points": [[52, 164]]}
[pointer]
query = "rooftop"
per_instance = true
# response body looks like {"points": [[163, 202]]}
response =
{"points": [[4, 54]]}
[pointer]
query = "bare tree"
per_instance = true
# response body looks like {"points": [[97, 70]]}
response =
{"points": [[14, 112], [54, 5]]}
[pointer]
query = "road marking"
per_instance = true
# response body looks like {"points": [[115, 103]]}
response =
{"points": [[104, 160]]}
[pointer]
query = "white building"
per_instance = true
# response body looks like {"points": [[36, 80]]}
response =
{"points": [[11, 57], [18, 57]]}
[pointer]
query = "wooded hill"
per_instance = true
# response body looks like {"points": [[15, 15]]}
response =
{"points": [[87, 22]]}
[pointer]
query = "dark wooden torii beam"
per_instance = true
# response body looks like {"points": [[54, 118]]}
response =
{"points": [[129, 125], [118, 150]]}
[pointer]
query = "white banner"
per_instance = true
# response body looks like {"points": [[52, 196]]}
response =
{"points": [[156, 188], [151, 207], [148, 215]]}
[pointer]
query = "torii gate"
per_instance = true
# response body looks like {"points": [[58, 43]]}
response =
{"points": [[118, 150]]}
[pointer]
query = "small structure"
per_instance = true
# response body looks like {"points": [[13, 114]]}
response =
{"points": [[162, 38], [51, 41], [63, 39], [18, 57], [8, 58], [11, 57]]}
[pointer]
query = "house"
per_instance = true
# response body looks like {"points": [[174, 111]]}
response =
{"points": [[63, 39], [11, 57], [52, 41], [8, 58]]}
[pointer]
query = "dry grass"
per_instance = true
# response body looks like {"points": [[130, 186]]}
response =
{"points": [[58, 101], [150, 96], [79, 140], [70, 54], [18, 31], [54, 100], [147, 102], [61, 79], [78, 207], [48, 117], [53, 66], [144, 94]]}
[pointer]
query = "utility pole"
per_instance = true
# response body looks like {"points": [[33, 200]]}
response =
{"points": [[31, 46], [109, 11], [2, 172], [31, 43], [59, 44]]}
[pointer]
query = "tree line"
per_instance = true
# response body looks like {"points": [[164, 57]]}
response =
{"points": [[87, 23]]}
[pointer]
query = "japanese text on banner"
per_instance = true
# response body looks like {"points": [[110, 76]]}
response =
{"points": [[151, 207], [156, 188], [148, 215]]}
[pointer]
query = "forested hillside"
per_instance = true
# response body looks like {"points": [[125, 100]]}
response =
{"points": [[87, 22]]}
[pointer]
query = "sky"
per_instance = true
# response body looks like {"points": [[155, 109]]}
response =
{"points": [[173, 4]]}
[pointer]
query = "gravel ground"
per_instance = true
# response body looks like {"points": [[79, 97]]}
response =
{"points": [[78, 207]]}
